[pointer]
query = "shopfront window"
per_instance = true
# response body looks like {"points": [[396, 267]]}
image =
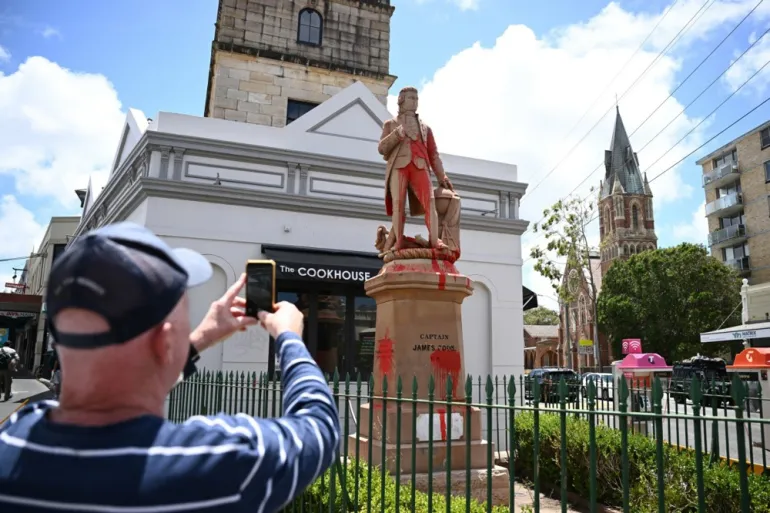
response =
{"points": [[330, 349], [364, 323]]}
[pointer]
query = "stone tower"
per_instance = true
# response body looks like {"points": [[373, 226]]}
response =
{"points": [[626, 221], [274, 60]]}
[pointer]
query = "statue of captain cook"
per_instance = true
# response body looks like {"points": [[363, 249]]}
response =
{"points": [[410, 149]]}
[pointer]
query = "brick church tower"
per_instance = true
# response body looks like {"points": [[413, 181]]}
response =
{"points": [[274, 60], [626, 221]]}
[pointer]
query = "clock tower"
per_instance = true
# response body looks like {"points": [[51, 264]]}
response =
{"points": [[274, 60]]}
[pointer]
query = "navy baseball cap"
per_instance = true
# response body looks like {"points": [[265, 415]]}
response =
{"points": [[124, 273]]}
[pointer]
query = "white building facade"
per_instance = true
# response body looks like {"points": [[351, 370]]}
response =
{"points": [[310, 196]]}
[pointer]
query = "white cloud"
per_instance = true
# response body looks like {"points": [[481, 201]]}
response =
{"points": [[467, 5], [59, 127], [517, 101], [20, 233], [49, 32], [696, 230], [5, 55], [754, 60]]}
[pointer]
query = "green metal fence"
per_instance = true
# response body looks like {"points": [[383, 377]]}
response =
{"points": [[546, 447]]}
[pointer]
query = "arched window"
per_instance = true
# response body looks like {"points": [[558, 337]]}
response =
{"points": [[635, 217], [310, 27], [607, 220], [625, 250]]}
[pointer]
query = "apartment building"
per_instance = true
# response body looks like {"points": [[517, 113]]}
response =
{"points": [[736, 181]]}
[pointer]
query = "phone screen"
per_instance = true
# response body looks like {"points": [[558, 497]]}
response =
{"points": [[259, 287]]}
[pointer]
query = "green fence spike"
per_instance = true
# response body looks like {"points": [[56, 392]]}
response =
{"points": [[511, 388], [468, 387], [562, 391], [657, 391], [449, 388], [414, 386], [738, 391], [696, 392], [384, 384], [490, 388], [431, 384]]}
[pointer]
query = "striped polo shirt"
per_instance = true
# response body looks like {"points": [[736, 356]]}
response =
{"points": [[147, 464]]}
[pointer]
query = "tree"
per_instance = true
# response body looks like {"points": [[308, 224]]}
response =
{"points": [[667, 298], [564, 227], [541, 316]]}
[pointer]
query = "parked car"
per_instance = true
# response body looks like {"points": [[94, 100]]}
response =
{"points": [[712, 373], [603, 383], [549, 379]]}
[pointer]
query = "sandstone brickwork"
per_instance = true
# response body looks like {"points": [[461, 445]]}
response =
{"points": [[257, 90], [258, 63]]}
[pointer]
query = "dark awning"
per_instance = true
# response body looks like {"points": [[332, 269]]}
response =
{"points": [[325, 266], [306, 264], [529, 299]]}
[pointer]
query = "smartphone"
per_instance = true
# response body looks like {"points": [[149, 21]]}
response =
{"points": [[260, 286]]}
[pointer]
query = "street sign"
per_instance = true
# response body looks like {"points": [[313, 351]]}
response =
{"points": [[587, 350], [631, 346], [10, 285], [584, 342]]}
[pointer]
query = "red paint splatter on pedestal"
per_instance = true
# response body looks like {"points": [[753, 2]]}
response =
{"points": [[384, 354], [445, 363], [442, 422]]}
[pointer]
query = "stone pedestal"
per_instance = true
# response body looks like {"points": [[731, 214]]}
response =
{"points": [[419, 335]]}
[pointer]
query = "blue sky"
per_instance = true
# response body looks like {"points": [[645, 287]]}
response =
{"points": [[526, 71]]}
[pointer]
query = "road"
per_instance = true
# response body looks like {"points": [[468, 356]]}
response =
{"points": [[23, 390]]}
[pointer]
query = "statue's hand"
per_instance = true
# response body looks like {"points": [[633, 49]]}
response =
{"points": [[447, 184], [400, 131]]}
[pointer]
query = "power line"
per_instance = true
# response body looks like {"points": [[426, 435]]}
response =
{"points": [[735, 61], [33, 255], [641, 45], [660, 55], [741, 118]]}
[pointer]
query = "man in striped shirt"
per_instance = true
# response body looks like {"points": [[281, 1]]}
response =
{"points": [[119, 313]]}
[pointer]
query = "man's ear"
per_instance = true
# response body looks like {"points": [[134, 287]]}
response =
{"points": [[161, 343]]}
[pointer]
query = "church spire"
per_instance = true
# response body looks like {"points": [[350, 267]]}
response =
{"points": [[620, 162]]}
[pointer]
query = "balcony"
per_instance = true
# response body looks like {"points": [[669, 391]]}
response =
{"points": [[726, 236], [722, 175], [725, 205], [741, 265]]}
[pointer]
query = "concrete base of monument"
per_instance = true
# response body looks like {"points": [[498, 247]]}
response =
{"points": [[419, 326], [424, 452], [450, 424], [458, 483]]}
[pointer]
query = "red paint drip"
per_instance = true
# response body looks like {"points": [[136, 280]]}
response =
{"points": [[441, 274], [384, 354], [442, 422], [446, 363]]}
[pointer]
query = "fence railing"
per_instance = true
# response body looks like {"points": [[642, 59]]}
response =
{"points": [[506, 443]]}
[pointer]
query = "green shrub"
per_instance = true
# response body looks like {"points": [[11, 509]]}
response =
{"points": [[319, 496], [721, 482]]}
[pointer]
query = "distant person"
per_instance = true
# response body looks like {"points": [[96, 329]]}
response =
{"points": [[9, 361], [119, 309]]}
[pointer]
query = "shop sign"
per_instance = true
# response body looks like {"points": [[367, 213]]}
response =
{"points": [[16, 315], [324, 273], [631, 346]]}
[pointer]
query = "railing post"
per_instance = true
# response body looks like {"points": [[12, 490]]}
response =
{"points": [[739, 396], [624, 420], [592, 446], [490, 457], [536, 442], [511, 446], [697, 396], [563, 448], [657, 397]]}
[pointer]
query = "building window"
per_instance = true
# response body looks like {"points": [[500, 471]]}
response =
{"points": [[58, 249], [764, 137], [726, 158], [296, 109], [767, 171], [635, 217], [310, 27]]}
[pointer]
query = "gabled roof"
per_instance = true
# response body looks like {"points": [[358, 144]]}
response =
{"points": [[354, 113], [542, 331], [133, 129], [621, 163]]}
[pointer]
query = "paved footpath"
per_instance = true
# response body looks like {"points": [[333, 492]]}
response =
{"points": [[23, 390]]}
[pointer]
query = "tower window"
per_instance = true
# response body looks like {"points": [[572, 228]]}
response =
{"points": [[310, 27], [295, 109], [635, 217]]}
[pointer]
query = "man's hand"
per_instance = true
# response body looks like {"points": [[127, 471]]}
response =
{"points": [[285, 318], [225, 316]]}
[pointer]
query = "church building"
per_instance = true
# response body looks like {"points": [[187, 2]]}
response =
{"points": [[626, 227]]}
